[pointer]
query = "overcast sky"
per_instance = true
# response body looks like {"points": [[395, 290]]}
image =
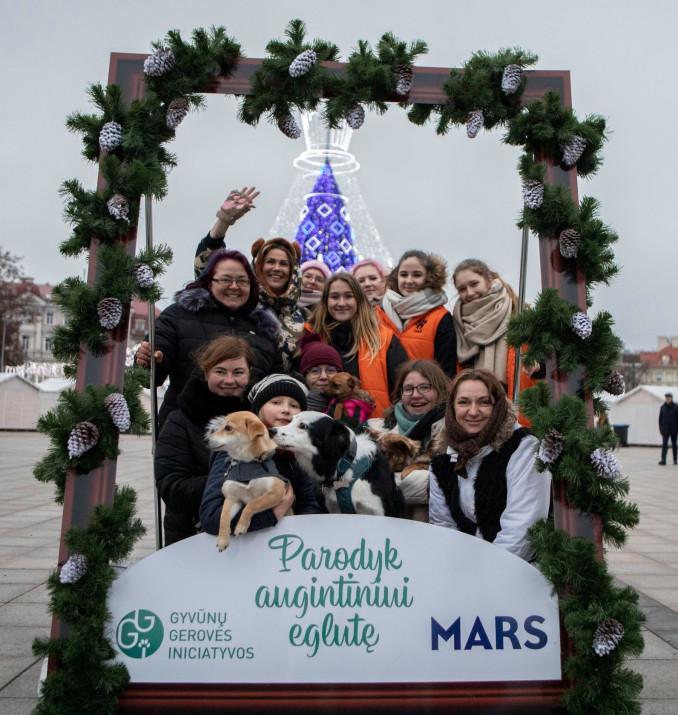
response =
{"points": [[455, 196]]}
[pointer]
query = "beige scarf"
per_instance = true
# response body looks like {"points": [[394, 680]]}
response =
{"points": [[481, 329], [401, 309]]}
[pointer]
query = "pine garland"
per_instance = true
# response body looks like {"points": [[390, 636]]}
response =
{"points": [[587, 596], [86, 679], [134, 161]]}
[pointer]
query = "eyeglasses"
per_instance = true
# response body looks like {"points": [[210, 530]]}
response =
{"points": [[229, 280], [317, 371], [422, 389]]}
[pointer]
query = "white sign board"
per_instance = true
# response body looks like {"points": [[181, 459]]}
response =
{"points": [[336, 599]]}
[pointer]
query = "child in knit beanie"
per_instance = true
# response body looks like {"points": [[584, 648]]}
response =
{"points": [[277, 398]]}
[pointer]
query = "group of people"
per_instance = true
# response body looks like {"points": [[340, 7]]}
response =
{"points": [[268, 334]]}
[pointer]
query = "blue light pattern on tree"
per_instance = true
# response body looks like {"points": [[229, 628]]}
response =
{"points": [[324, 232]]}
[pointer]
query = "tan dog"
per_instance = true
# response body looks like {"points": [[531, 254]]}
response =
{"points": [[252, 477], [399, 450]]}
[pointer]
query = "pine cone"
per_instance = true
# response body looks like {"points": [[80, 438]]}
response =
{"points": [[573, 150], [302, 63], [289, 127], [110, 136], [143, 275], [118, 207], [74, 569], [474, 123], [582, 325], [403, 76], [551, 446], [82, 438], [605, 463], [614, 383], [569, 243], [117, 407], [110, 312], [355, 116], [533, 193], [607, 636], [510, 80], [159, 62], [176, 112]]}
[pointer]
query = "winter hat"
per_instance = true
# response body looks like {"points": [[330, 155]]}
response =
{"points": [[277, 385], [314, 352], [383, 272], [318, 265]]}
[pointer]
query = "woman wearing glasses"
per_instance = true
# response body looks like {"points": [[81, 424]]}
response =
{"points": [[318, 363], [224, 300], [418, 412]]}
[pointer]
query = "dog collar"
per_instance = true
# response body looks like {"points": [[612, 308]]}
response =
{"points": [[346, 462]]}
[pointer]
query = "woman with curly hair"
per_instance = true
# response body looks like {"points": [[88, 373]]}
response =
{"points": [[369, 350], [414, 307]]}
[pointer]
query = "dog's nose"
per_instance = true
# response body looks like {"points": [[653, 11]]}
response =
{"points": [[272, 431]]}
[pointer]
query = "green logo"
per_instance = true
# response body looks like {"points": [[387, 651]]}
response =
{"points": [[139, 633]]}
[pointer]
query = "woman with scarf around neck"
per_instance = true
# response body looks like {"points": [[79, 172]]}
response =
{"points": [[275, 263], [369, 350], [481, 314], [486, 484], [414, 307], [181, 454], [313, 277], [418, 412]]}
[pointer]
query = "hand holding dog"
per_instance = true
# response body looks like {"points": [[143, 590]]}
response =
{"points": [[285, 506]]}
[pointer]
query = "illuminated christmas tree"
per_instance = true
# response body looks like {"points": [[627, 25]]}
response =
{"points": [[317, 212], [324, 232]]}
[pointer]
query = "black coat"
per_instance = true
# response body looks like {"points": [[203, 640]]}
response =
{"points": [[182, 457], [668, 419], [195, 319]]}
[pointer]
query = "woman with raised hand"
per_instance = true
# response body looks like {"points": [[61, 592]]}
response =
{"points": [[182, 456], [418, 412], [486, 484], [224, 300], [371, 276], [483, 309], [275, 400], [369, 350], [414, 307]]}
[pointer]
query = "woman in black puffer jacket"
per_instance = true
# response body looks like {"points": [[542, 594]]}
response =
{"points": [[181, 455], [223, 301]]}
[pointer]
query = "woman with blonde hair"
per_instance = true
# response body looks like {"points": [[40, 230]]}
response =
{"points": [[414, 306], [481, 314], [369, 350]]}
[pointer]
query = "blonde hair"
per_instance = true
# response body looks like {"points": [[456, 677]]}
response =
{"points": [[364, 324], [475, 265]]}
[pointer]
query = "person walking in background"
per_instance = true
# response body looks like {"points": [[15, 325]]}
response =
{"points": [[668, 427]]}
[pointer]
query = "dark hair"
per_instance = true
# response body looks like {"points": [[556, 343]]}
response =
{"points": [[436, 270], [204, 280], [225, 347], [428, 369]]}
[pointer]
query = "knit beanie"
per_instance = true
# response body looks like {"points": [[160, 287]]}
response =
{"points": [[314, 352], [318, 265], [277, 385], [383, 272]]}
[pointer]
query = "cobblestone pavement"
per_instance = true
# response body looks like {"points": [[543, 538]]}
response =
{"points": [[30, 526]]}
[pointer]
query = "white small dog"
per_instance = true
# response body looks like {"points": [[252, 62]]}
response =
{"points": [[251, 478]]}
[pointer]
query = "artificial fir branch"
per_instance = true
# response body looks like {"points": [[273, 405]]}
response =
{"points": [[87, 680]]}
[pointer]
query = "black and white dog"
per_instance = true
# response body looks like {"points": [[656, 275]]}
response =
{"points": [[354, 475]]}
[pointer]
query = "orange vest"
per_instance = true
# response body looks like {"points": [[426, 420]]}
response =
{"points": [[418, 336], [373, 374]]}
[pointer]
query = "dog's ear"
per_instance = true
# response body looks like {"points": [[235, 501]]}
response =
{"points": [[334, 447], [263, 446], [351, 383], [255, 428]]}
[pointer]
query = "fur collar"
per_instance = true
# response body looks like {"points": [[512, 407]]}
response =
{"points": [[196, 299], [504, 434]]}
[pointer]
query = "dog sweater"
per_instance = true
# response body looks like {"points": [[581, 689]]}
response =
{"points": [[245, 472]]}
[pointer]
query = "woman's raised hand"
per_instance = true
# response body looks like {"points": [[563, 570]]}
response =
{"points": [[237, 204], [142, 356]]}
